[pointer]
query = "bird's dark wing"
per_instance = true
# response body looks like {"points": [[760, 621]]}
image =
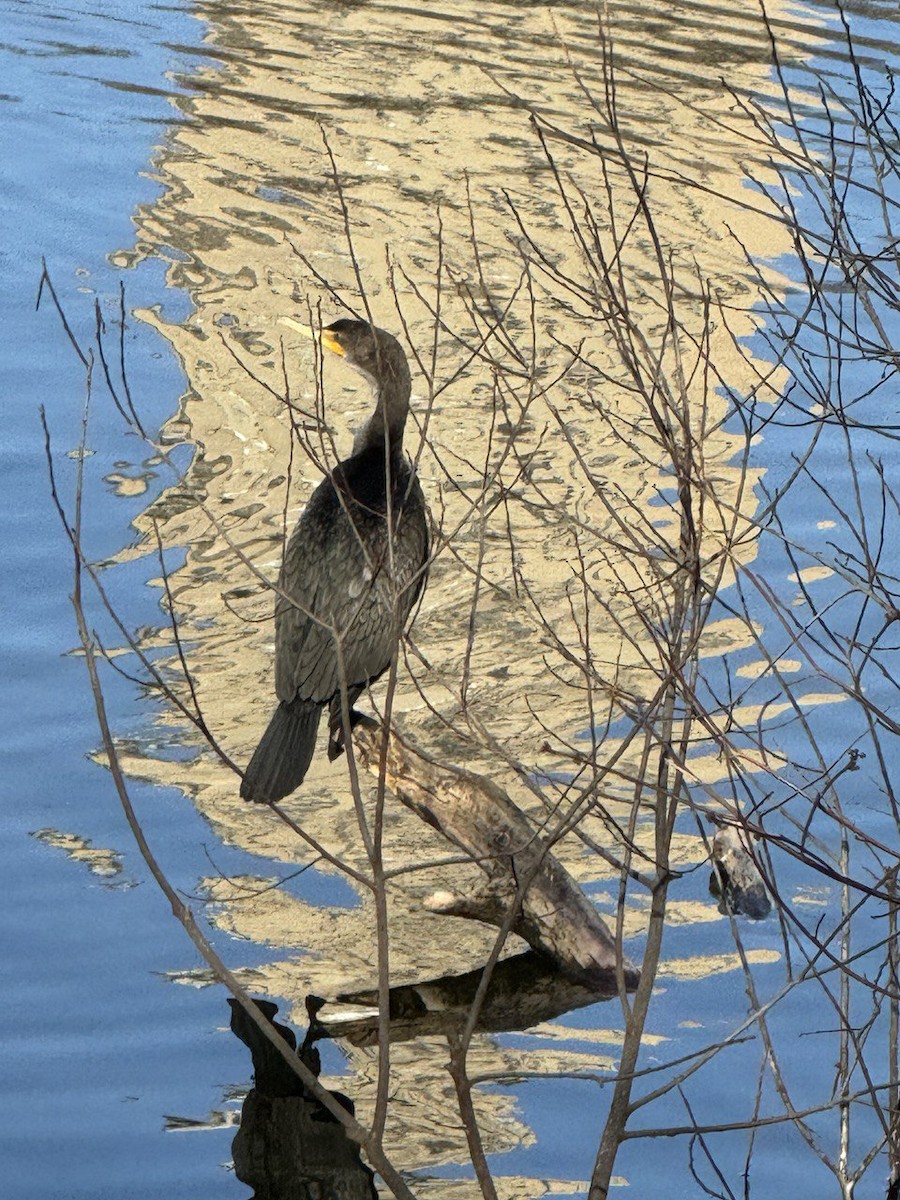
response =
{"points": [[336, 571], [323, 562]]}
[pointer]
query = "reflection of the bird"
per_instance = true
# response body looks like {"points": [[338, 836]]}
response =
{"points": [[288, 1147], [523, 991]]}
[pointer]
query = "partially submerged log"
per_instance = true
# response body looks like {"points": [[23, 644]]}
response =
{"points": [[549, 910], [523, 991]]}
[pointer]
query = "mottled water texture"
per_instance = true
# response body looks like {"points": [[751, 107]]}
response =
{"points": [[91, 1062], [427, 115]]}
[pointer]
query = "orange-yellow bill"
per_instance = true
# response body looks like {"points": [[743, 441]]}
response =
{"points": [[328, 340]]}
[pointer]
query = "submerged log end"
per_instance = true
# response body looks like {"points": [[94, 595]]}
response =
{"points": [[583, 949], [486, 904], [736, 880]]}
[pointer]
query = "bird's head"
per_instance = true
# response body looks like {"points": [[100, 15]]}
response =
{"points": [[373, 352]]}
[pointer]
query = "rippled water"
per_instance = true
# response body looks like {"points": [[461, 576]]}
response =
{"points": [[99, 1045]]}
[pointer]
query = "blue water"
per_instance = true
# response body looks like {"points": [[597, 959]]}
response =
{"points": [[96, 1044], [567, 1117]]}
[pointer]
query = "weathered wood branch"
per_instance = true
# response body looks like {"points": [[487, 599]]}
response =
{"points": [[551, 912]]}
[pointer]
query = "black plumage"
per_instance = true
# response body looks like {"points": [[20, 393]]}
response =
{"points": [[352, 571]]}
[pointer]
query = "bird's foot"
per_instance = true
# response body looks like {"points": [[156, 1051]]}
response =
{"points": [[336, 734]]}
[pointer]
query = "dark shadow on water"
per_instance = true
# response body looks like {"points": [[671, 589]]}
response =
{"points": [[288, 1147], [523, 991]]}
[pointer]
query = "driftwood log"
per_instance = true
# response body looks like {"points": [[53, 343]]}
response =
{"points": [[523, 878]]}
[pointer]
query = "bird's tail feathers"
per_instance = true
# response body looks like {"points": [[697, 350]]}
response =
{"points": [[282, 757]]}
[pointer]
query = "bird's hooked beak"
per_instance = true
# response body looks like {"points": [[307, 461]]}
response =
{"points": [[328, 340]]}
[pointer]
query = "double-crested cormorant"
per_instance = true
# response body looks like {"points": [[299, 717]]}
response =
{"points": [[352, 571]]}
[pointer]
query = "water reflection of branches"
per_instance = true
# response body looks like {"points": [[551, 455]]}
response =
{"points": [[805, 344]]}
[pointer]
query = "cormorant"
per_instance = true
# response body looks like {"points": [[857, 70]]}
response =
{"points": [[352, 571]]}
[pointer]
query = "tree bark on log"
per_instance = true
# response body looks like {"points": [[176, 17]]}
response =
{"points": [[551, 913]]}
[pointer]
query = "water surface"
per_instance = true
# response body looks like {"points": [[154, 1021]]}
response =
{"points": [[412, 103], [97, 1045]]}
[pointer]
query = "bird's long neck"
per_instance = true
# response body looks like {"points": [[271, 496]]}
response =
{"points": [[385, 425]]}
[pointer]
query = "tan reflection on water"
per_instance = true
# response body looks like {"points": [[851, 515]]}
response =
{"points": [[107, 864], [416, 102]]}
